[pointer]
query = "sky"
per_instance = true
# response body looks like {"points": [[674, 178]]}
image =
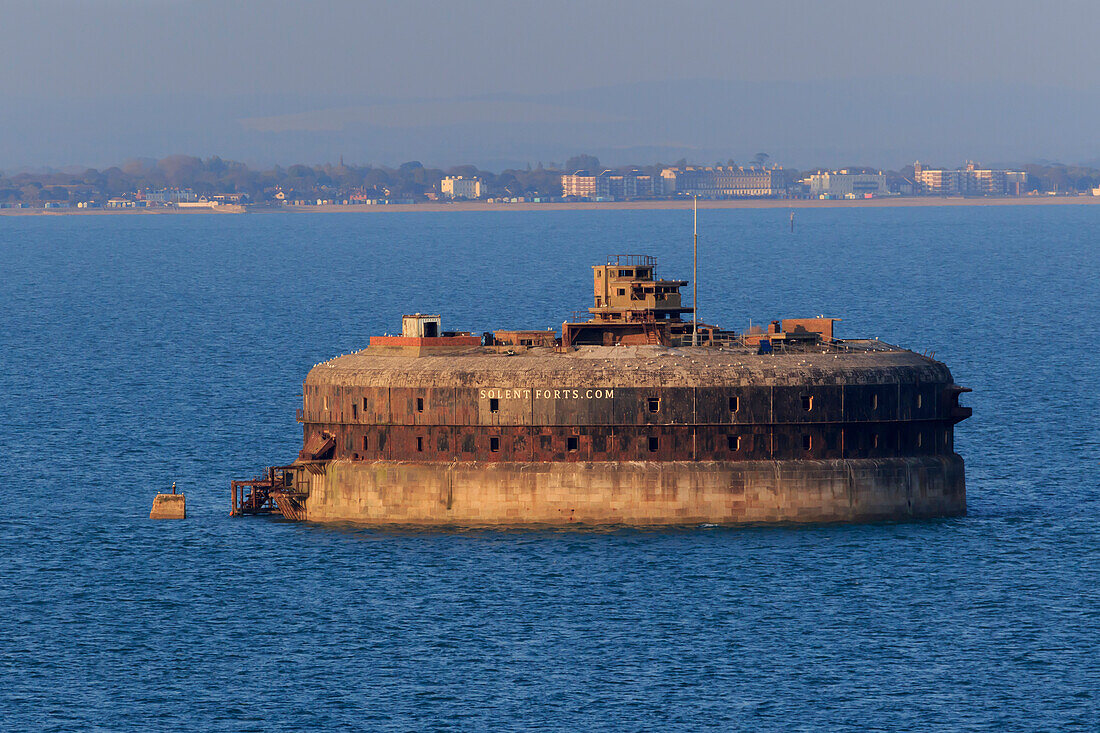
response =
{"points": [[845, 82]]}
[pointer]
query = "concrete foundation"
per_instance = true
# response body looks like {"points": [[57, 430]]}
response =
{"points": [[169, 506], [636, 493]]}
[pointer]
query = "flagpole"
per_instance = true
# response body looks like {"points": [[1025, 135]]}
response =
{"points": [[695, 273]]}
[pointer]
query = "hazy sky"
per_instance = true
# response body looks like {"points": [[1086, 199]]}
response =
{"points": [[322, 70]]}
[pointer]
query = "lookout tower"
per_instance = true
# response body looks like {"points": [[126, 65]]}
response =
{"points": [[631, 305], [625, 289]]}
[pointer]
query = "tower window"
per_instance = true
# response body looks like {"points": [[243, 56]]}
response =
{"points": [[807, 442], [807, 402], [354, 411], [494, 445], [419, 443], [654, 404], [366, 443], [573, 443], [654, 444], [734, 442], [622, 291], [735, 404], [365, 405], [420, 404], [494, 405]]}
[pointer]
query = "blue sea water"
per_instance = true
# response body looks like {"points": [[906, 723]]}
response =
{"points": [[140, 350]]}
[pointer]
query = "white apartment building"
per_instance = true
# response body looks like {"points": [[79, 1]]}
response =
{"points": [[969, 181], [461, 187], [715, 182], [843, 183]]}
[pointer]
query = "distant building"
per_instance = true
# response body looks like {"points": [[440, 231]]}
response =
{"points": [[580, 184], [461, 187], [612, 185], [843, 183], [1015, 182], [968, 181], [165, 196], [229, 198], [715, 182]]}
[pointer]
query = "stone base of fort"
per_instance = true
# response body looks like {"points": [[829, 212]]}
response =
{"points": [[639, 494]]}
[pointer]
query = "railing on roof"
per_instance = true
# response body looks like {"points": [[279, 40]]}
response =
{"points": [[581, 316], [629, 315], [632, 260]]}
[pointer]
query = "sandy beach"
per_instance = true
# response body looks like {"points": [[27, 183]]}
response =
{"points": [[437, 207]]}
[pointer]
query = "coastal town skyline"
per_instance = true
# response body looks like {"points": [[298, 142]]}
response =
{"points": [[182, 181]]}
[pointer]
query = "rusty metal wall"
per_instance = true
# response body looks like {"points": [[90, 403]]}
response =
{"points": [[624, 406], [519, 424]]}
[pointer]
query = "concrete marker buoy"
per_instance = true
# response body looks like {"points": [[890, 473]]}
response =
{"points": [[169, 506]]}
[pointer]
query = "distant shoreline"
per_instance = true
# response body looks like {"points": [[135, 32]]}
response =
{"points": [[437, 207]]}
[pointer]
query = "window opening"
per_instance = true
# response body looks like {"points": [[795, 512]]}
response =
{"points": [[420, 404], [653, 445], [807, 442], [735, 404], [494, 445], [572, 443], [366, 443], [419, 443], [807, 402], [734, 442], [874, 402], [494, 405], [920, 401], [654, 404]]}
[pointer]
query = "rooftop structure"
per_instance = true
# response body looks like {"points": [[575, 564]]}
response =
{"points": [[631, 305]]}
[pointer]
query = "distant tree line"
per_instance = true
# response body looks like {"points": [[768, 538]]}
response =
{"points": [[216, 176], [408, 180]]}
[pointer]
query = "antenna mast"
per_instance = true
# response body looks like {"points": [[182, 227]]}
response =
{"points": [[695, 273]]}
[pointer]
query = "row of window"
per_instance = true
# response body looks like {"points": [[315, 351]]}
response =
{"points": [[653, 403], [733, 442]]}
